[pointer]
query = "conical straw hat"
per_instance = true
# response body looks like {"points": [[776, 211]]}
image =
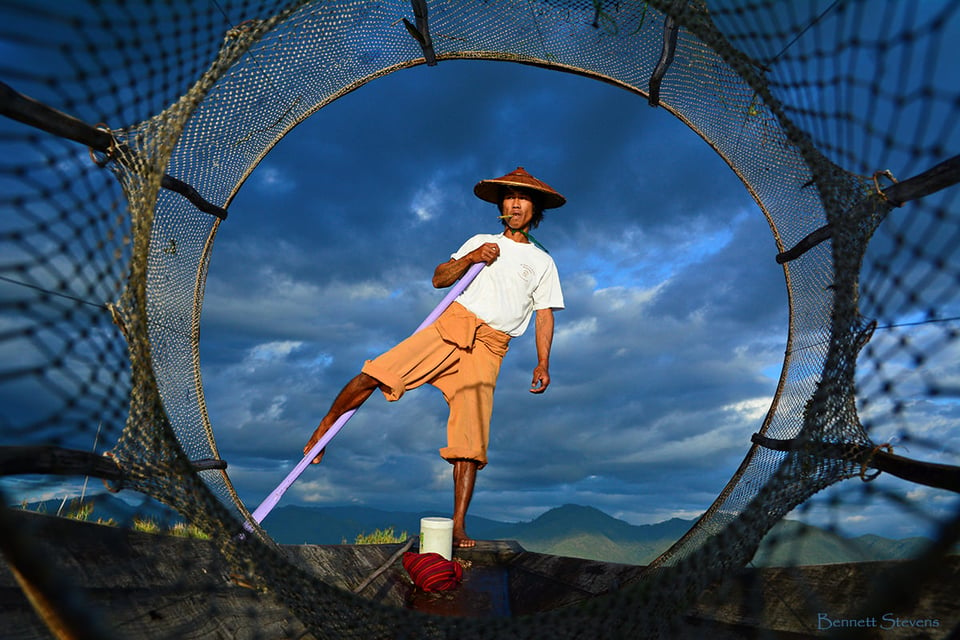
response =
{"points": [[489, 190]]}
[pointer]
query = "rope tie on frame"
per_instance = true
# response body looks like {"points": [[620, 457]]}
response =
{"points": [[865, 463]]}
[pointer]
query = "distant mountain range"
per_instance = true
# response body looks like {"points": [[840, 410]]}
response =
{"points": [[571, 530], [584, 532]]}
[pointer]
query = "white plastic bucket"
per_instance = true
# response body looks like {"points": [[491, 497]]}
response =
{"points": [[436, 535]]}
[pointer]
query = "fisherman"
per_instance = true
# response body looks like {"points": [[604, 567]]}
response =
{"points": [[461, 352]]}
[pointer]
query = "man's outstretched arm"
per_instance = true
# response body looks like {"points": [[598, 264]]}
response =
{"points": [[543, 331]]}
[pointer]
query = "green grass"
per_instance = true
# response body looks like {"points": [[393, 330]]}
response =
{"points": [[185, 530], [78, 510], [145, 525], [381, 536]]}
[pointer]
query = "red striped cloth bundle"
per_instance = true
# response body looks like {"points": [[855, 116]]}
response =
{"points": [[431, 572]]}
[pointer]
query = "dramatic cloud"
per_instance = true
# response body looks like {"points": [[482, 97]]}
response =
{"points": [[675, 319], [665, 360]]}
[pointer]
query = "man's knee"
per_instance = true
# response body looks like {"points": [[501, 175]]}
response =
{"points": [[366, 380]]}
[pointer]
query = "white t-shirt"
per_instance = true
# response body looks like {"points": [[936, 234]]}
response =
{"points": [[523, 279]]}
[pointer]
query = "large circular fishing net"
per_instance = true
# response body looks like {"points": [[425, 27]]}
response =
{"points": [[840, 118]]}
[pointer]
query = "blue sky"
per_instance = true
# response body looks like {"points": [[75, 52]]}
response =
{"points": [[675, 319], [665, 359]]}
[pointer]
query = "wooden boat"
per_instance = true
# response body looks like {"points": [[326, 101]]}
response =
{"points": [[154, 586]]}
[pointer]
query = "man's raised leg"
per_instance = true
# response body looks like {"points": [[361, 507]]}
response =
{"points": [[464, 478], [353, 394]]}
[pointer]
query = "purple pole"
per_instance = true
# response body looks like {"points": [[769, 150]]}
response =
{"points": [[271, 501]]}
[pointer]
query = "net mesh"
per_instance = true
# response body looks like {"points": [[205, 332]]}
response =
{"points": [[103, 270]]}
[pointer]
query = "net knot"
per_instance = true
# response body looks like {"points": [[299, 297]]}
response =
{"points": [[110, 153], [865, 463], [886, 173]]}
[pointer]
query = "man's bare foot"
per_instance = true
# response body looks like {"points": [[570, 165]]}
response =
{"points": [[314, 439], [319, 457], [463, 542], [460, 538]]}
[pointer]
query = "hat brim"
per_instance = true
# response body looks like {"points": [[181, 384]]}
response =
{"points": [[489, 190]]}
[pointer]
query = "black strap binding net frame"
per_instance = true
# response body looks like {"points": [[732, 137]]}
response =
{"points": [[24, 109]]}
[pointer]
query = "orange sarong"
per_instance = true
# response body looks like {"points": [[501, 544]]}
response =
{"points": [[459, 355]]}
